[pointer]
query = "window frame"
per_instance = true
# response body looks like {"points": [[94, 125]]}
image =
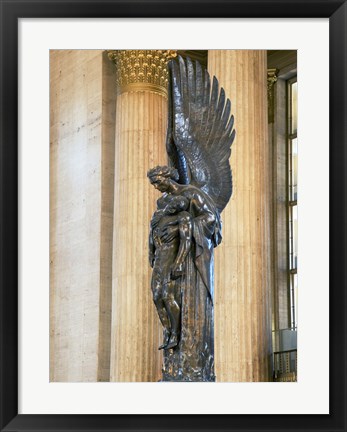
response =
{"points": [[292, 201]]}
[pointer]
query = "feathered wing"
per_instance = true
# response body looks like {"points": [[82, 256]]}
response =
{"points": [[200, 130], [176, 157]]}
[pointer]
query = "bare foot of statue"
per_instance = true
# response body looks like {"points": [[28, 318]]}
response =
{"points": [[173, 341], [166, 340]]}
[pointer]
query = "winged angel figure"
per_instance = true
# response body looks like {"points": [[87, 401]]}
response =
{"points": [[186, 227]]}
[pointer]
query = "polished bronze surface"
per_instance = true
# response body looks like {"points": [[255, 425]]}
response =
{"points": [[186, 226]]}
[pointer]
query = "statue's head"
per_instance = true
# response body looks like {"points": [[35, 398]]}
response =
{"points": [[161, 177], [177, 204]]}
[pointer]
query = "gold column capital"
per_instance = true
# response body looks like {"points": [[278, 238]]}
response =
{"points": [[142, 70], [271, 79]]}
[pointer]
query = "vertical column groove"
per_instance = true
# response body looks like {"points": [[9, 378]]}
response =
{"points": [[140, 145], [242, 326]]}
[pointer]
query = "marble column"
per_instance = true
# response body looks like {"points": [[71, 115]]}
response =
{"points": [[82, 110], [141, 119], [242, 262]]}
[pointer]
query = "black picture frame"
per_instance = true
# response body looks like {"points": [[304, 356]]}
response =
{"points": [[11, 11]]}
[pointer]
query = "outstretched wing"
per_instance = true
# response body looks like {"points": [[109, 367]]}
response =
{"points": [[200, 130], [176, 156]]}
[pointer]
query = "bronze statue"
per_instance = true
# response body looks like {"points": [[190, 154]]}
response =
{"points": [[186, 226]]}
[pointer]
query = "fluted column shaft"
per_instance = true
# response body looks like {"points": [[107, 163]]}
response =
{"points": [[141, 118], [242, 261]]}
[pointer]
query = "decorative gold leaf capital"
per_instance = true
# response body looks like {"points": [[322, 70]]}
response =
{"points": [[142, 70], [271, 79]]}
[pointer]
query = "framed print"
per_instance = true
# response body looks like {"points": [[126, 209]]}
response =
{"points": [[79, 354]]}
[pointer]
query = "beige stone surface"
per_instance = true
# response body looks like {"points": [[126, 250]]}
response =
{"points": [[141, 119], [81, 214], [242, 261]]}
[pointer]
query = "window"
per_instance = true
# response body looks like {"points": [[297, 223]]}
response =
{"points": [[292, 91]]}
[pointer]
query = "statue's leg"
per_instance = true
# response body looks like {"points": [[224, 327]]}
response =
{"points": [[161, 309], [174, 311]]}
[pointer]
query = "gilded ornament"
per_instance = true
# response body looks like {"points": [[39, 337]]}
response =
{"points": [[142, 70], [271, 79]]}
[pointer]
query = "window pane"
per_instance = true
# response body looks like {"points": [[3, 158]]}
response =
{"points": [[294, 107], [295, 237], [295, 299], [293, 169], [291, 251], [292, 303], [294, 185]]}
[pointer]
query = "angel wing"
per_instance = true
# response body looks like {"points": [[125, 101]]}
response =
{"points": [[200, 130]]}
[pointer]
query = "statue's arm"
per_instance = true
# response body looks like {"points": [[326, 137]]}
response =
{"points": [[158, 214], [151, 248], [185, 234], [169, 232]]}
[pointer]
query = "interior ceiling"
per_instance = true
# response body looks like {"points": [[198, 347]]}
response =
{"points": [[199, 55], [279, 59]]}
